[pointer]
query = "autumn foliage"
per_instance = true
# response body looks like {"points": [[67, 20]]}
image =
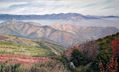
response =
{"points": [[112, 65], [115, 47], [26, 60], [69, 51]]}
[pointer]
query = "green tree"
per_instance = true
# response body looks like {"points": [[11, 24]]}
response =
{"points": [[78, 58]]}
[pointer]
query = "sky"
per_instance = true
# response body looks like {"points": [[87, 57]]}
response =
{"points": [[40, 7]]}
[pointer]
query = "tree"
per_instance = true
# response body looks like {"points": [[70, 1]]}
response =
{"points": [[113, 64], [78, 58], [89, 49]]}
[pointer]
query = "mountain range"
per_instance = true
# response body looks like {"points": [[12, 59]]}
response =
{"points": [[65, 35], [52, 16]]}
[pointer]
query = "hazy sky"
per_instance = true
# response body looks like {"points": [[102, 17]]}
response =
{"points": [[86, 7]]}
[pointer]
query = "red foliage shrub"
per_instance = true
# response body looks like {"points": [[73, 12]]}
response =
{"points": [[115, 47], [112, 66]]}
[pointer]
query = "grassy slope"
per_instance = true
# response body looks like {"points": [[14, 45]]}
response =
{"points": [[105, 44], [104, 51], [15, 45]]}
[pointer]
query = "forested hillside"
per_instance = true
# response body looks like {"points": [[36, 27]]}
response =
{"points": [[100, 55]]}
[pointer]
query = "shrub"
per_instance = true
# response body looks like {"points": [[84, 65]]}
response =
{"points": [[78, 58]]}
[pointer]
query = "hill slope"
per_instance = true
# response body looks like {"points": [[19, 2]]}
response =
{"points": [[85, 33], [16, 45], [96, 51], [65, 35], [24, 29]]}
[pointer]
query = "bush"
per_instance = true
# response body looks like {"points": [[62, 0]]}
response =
{"points": [[78, 58]]}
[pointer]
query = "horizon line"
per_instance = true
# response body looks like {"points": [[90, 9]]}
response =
{"points": [[58, 13]]}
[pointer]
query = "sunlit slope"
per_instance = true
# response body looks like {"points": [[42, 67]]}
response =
{"points": [[16, 45]]}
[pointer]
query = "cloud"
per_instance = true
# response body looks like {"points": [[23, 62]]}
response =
{"points": [[86, 7], [108, 7], [15, 0], [108, 1], [90, 5]]}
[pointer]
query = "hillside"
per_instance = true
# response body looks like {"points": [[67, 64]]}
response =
{"points": [[86, 33], [26, 55], [28, 47], [101, 46], [24, 29], [65, 35], [96, 54]]}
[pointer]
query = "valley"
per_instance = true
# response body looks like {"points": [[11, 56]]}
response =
{"points": [[62, 45], [59, 35]]}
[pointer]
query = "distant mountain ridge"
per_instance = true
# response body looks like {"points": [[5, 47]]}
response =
{"points": [[52, 16], [65, 35], [24, 29], [86, 32]]}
